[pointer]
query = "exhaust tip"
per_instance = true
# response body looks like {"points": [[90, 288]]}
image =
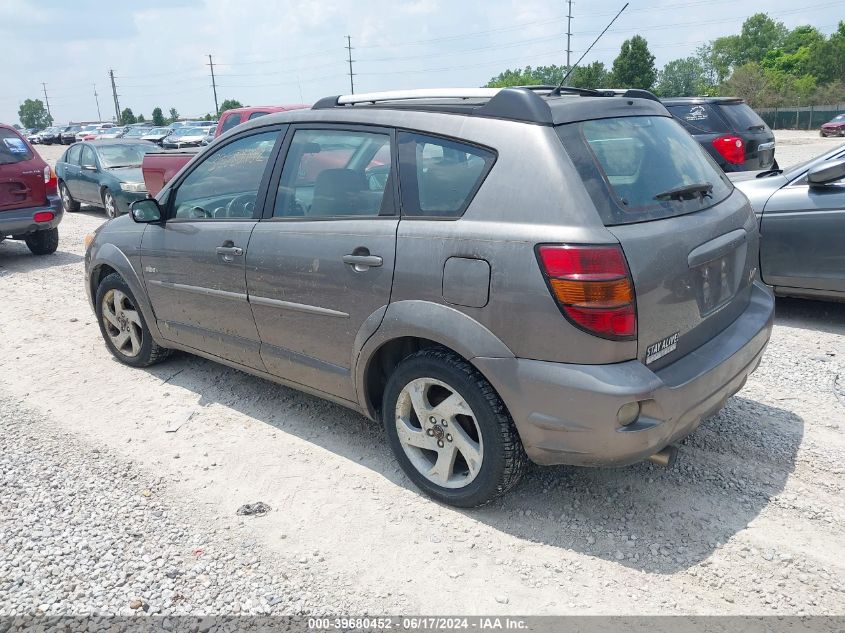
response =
{"points": [[665, 457]]}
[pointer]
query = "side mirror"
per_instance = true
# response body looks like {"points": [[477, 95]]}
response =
{"points": [[826, 173], [145, 211], [89, 167]]}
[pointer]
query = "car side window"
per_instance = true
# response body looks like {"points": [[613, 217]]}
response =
{"points": [[88, 157], [225, 185], [72, 156], [255, 115], [439, 177], [335, 173], [231, 121]]}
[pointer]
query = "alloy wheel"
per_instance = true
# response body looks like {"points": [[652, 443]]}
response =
{"points": [[439, 433], [108, 202], [122, 323]]}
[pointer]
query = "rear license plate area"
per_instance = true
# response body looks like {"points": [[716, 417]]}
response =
{"points": [[716, 282]]}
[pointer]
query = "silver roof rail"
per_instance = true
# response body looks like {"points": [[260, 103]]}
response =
{"points": [[422, 93]]}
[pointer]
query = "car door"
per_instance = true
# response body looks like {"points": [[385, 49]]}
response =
{"points": [[89, 176], [193, 263], [320, 263], [803, 231], [70, 170]]}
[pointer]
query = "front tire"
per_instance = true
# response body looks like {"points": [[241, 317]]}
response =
{"points": [[69, 205], [43, 242], [123, 327], [109, 204], [450, 430]]}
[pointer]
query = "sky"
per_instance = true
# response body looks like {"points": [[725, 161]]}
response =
{"points": [[293, 51]]}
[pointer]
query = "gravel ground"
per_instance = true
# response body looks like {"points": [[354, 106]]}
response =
{"points": [[120, 486]]}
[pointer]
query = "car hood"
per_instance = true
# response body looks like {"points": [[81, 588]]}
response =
{"points": [[127, 174], [834, 124], [757, 190]]}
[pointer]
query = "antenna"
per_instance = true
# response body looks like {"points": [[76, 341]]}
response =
{"points": [[556, 91]]}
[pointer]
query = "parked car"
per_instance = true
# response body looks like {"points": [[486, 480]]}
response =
{"points": [[157, 134], [597, 329], [91, 130], [110, 132], [236, 116], [33, 136], [184, 137], [802, 220], [50, 135], [728, 129], [104, 173], [29, 206], [68, 134], [210, 133], [137, 131], [834, 127]]}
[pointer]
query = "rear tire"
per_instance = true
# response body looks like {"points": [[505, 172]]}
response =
{"points": [[437, 406], [43, 242], [123, 327], [68, 203]]}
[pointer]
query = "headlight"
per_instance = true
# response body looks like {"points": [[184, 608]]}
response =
{"points": [[134, 187]]}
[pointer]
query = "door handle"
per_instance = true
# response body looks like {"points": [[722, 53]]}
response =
{"points": [[228, 253], [362, 262]]}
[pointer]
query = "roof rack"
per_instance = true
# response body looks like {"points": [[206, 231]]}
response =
{"points": [[521, 103]]}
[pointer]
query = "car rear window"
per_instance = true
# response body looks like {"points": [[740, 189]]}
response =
{"points": [[632, 165], [698, 118], [230, 121], [12, 148], [255, 115], [742, 117]]}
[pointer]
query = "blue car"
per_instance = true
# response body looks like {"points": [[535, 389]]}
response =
{"points": [[105, 173]]}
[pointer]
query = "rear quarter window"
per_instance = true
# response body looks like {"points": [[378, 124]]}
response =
{"points": [[631, 165], [13, 149], [230, 121], [742, 117], [698, 118]]}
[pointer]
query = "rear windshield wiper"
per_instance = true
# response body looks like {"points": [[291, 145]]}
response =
{"points": [[686, 192], [756, 127]]}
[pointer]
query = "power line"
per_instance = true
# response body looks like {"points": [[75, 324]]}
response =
{"points": [[351, 74], [214, 86]]}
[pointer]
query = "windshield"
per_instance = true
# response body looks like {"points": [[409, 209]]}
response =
{"points": [[158, 131], [650, 167], [191, 131], [12, 148], [137, 131], [839, 117], [123, 155]]}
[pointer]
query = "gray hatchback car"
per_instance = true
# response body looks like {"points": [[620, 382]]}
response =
{"points": [[563, 276]]}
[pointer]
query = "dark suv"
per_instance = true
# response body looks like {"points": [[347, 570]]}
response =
{"points": [[30, 209], [495, 275], [729, 129]]}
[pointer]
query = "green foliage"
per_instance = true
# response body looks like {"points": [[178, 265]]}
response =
{"points": [[158, 117], [127, 118], [634, 67], [174, 115], [593, 75], [528, 76], [230, 104], [32, 113], [827, 58], [682, 78]]}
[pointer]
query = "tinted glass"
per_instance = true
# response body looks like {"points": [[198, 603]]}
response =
{"points": [[742, 117], [631, 165], [231, 121], [699, 118], [12, 148], [128, 155], [335, 173], [255, 115], [225, 184], [439, 177]]}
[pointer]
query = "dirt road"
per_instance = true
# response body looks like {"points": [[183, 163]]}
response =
{"points": [[750, 519]]}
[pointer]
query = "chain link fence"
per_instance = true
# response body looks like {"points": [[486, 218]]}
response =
{"points": [[800, 117]]}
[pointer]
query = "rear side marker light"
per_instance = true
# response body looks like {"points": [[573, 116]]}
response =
{"points": [[593, 288], [43, 216], [731, 148]]}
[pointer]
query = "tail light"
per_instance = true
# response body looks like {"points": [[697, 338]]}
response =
{"points": [[43, 216], [592, 287], [50, 183], [731, 148]]}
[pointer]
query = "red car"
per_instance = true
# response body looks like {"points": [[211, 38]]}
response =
{"points": [[30, 208], [834, 127], [233, 117]]}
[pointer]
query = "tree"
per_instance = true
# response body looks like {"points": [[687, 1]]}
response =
{"points": [[760, 34], [126, 117], [634, 67], [750, 83], [593, 75], [32, 113], [528, 76], [230, 104], [141, 118], [158, 117], [682, 78], [174, 115], [827, 58]]}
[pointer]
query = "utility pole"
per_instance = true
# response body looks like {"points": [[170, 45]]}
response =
{"points": [[351, 74], [114, 94], [97, 99], [47, 101], [214, 86], [568, 33]]}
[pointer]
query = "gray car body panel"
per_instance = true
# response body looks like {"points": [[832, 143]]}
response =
{"points": [[319, 333], [803, 229]]}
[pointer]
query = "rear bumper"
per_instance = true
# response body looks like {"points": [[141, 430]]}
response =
{"points": [[567, 414], [20, 221]]}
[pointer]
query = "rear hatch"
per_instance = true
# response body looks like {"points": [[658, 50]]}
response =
{"points": [[689, 239], [759, 139], [21, 173]]}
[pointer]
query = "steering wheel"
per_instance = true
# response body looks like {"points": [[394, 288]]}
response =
{"points": [[241, 206]]}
